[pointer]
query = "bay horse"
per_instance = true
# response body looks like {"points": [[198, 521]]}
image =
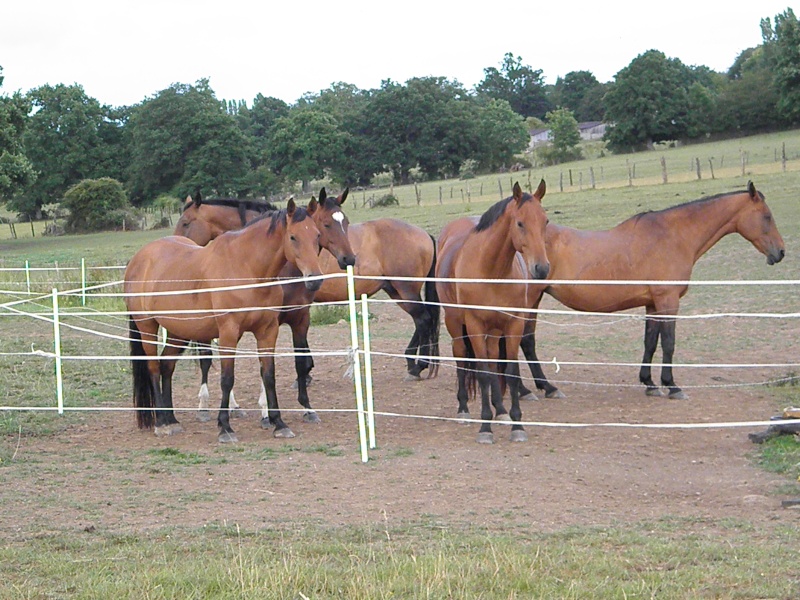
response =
{"points": [[202, 309], [204, 220], [386, 248], [507, 243], [651, 246]]}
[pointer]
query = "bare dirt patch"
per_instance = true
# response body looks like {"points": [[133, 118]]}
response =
{"points": [[103, 473]]}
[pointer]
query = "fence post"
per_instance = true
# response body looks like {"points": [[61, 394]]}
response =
{"points": [[351, 298], [368, 370], [57, 351], [28, 275], [83, 282]]}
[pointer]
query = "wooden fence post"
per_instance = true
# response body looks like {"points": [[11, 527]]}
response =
{"points": [[697, 166], [664, 170]]}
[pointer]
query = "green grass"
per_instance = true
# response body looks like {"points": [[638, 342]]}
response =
{"points": [[665, 559]]}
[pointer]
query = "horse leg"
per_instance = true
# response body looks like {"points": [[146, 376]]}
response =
{"points": [[460, 351], [515, 384], [303, 363], [267, 339], [489, 386], [495, 347], [203, 414], [668, 348], [528, 345], [420, 343], [166, 423], [652, 330]]}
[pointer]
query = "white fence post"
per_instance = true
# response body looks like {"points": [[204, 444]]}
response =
{"points": [[57, 351], [368, 370], [351, 294]]}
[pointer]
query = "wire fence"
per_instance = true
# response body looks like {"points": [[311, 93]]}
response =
{"points": [[70, 311]]}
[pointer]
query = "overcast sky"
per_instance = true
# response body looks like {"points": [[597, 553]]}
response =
{"points": [[124, 51]]}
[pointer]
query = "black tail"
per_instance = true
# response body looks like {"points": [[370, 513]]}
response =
{"points": [[432, 306], [142, 386]]}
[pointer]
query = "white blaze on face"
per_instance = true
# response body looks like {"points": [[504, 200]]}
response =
{"points": [[338, 216]]}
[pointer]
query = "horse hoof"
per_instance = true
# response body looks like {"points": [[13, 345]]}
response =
{"points": [[679, 395], [504, 418], [168, 430], [311, 417], [265, 424], [555, 394], [412, 377], [227, 437], [203, 416], [238, 413], [529, 396], [485, 437], [656, 392], [518, 435], [462, 417], [283, 433]]}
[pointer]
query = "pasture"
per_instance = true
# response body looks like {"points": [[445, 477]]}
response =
{"points": [[95, 508]]}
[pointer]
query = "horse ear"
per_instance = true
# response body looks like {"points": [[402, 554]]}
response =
{"points": [[322, 195], [517, 192], [343, 197], [188, 201], [198, 199], [312, 205], [751, 189], [540, 191], [290, 207]]}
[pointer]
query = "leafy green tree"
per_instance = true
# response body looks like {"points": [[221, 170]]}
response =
{"points": [[519, 85], [648, 102], [304, 144], [565, 136], [184, 139], [16, 171], [783, 46], [502, 133], [580, 92], [69, 137], [748, 104], [97, 204]]}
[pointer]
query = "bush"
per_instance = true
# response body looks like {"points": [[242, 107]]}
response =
{"points": [[99, 204], [387, 200]]}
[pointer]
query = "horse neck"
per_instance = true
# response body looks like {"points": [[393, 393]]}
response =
{"points": [[497, 252], [264, 256], [712, 220]]}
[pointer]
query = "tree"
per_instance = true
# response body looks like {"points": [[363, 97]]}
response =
{"points": [[303, 144], [580, 92], [96, 204], [519, 85], [783, 47], [502, 133], [565, 135], [648, 102], [16, 171], [69, 137], [184, 139]]}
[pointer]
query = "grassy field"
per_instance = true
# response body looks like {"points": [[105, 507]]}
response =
{"points": [[670, 558]]}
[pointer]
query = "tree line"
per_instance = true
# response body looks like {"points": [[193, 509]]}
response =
{"points": [[184, 139]]}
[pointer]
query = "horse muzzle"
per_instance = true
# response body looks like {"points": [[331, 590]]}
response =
{"points": [[348, 260], [775, 256], [539, 270], [313, 285]]}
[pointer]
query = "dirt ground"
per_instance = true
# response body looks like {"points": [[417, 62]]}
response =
{"points": [[105, 474]]}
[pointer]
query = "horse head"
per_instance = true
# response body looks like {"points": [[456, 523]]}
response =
{"points": [[333, 224], [527, 231], [192, 225], [756, 224], [301, 241]]}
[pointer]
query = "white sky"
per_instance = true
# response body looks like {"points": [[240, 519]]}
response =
{"points": [[123, 51]]}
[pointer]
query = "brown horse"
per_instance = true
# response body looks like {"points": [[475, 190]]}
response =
{"points": [[387, 249], [507, 243], [652, 246], [178, 285], [204, 220]]}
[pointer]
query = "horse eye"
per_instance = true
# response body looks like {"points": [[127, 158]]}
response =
{"points": [[327, 225], [291, 237], [519, 224]]}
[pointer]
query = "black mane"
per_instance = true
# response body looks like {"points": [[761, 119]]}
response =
{"points": [[490, 216]]}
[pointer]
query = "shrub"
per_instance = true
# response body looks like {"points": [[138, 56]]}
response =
{"points": [[387, 200], [99, 204]]}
